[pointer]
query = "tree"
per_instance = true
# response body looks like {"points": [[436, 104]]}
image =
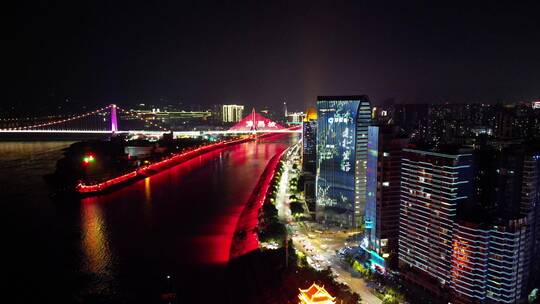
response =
{"points": [[296, 208], [272, 231], [389, 299], [269, 211]]}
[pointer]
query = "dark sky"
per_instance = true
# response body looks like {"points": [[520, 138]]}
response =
{"points": [[267, 52]]}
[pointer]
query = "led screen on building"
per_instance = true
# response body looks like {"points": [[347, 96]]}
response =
{"points": [[336, 154]]}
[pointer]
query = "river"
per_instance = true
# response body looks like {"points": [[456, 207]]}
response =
{"points": [[120, 247]]}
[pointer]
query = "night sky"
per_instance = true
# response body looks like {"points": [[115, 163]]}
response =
{"points": [[267, 52]]}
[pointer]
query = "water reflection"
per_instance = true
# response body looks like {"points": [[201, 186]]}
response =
{"points": [[121, 243], [95, 242], [147, 190]]}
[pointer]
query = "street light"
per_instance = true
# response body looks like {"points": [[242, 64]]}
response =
{"points": [[169, 284]]}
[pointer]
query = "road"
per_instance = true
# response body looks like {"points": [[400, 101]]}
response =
{"points": [[317, 243], [321, 248]]}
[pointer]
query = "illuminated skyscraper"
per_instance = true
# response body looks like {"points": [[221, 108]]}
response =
{"points": [[342, 129], [490, 262], [385, 144], [530, 205], [433, 185], [495, 244], [469, 229], [309, 138], [232, 113], [309, 156]]}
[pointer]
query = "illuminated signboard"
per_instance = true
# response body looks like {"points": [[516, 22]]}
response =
{"points": [[536, 104], [255, 121]]}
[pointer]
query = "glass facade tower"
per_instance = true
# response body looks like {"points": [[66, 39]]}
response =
{"points": [[342, 136]]}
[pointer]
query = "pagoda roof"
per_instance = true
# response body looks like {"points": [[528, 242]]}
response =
{"points": [[315, 294]]}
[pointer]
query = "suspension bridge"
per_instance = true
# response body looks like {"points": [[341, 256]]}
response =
{"points": [[109, 119]]}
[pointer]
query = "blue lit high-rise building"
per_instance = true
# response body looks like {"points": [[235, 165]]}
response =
{"points": [[385, 145], [342, 133]]}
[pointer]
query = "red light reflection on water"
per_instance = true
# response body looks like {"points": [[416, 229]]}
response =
{"points": [[217, 244], [189, 212], [249, 219]]}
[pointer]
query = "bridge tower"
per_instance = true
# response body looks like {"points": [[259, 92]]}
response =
{"points": [[114, 121], [254, 119]]}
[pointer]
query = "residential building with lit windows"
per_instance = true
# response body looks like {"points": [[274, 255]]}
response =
{"points": [[490, 262], [479, 246], [433, 185], [232, 113], [385, 145], [295, 118], [530, 204], [342, 131], [496, 241]]}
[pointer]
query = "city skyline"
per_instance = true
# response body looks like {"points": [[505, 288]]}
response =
{"points": [[375, 202], [351, 152]]}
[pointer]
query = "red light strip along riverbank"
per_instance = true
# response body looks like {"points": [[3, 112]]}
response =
{"points": [[249, 218], [154, 168]]}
